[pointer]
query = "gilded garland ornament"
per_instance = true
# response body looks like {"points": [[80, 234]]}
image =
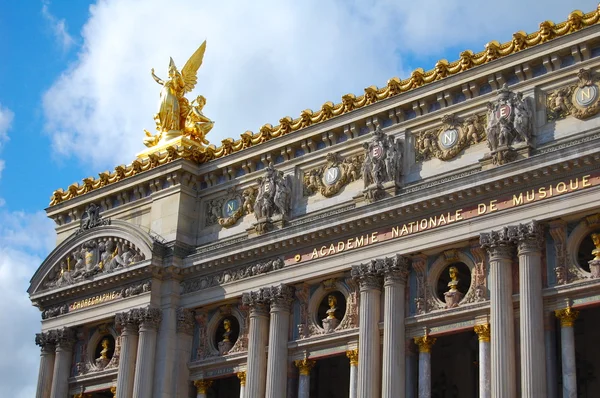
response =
{"points": [[580, 100], [447, 141], [333, 176]]}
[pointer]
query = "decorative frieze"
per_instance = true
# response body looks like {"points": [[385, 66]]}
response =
{"points": [[580, 100], [333, 176], [447, 141]]}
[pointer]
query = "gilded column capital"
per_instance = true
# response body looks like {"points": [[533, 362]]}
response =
{"points": [[202, 385], [185, 320], [567, 317], [498, 244], [113, 391], [353, 357], [368, 275], [395, 270], [305, 366], [242, 377], [65, 338], [425, 343], [149, 318], [46, 340], [529, 237], [483, 332]]}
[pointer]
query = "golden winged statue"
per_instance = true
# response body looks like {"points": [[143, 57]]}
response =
{"points": [[176, 117]]}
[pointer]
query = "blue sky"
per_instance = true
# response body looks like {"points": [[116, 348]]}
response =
{"points": [[76, 91]]}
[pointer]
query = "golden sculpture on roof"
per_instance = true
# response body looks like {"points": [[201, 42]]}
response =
{"points": [[176, 116]]}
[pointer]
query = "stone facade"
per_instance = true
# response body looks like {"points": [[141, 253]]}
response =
{"points": [[461, 207]]}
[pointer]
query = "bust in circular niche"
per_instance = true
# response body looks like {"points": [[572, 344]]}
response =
{"points": [[226, 344], [453, 296], [106, 352], [331, 322], [595, 262]]}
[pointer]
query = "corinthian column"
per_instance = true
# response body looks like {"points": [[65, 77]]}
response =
{"points": [[47, 342], [304, 367], [62, 363], [281, 298], [369, 349], [202, 387], [128, 322], [533, 355], [499, 248], [353, 357], [144, 365], [258, 302], [567, 318], [425, 343], [242, 377], [395, 273], [483, 334]]}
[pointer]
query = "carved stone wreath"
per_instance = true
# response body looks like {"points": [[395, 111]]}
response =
{"points": [[330, 178], [447, 141], [580, 100]]}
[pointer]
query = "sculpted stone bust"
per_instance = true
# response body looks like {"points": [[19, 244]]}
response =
{"points": [[225, 345], [331, 322], [453, 296]]}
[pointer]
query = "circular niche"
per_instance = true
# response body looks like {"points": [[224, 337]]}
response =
{"points": [[340, 306], [584, 253], [221, 335], [463, 276], [105, 347]]}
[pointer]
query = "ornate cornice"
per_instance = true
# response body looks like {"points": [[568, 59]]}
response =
{"points": [[350, 102]]}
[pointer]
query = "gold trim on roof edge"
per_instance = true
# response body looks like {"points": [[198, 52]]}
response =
{"points": [[577, 20]]}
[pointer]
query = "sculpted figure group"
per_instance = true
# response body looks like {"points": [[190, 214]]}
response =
{"points": [[274, 194]]}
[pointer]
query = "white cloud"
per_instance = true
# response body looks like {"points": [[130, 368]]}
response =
{"points": [[58, 27], [25, 239], [6, 120], [264, 60]]}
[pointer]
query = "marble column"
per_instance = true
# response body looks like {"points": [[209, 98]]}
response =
{"points": [[65, 339], [412, 365], [567, 318], [128, 323], [144, 365], [281, 297], [304, 367], [258, 335], [202, 387], [425, 343], [353, 357], [533, 356], [47, 343], [502, 341], [551, 362], [483, 335], [185, 334], [395, 273], [369, 347], [242, 377]]}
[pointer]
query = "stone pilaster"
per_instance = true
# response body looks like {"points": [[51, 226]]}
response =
{"points": [[567, 318], [304, 367], [258, 301], [533, 356], [149, 319], [425, 343], [281, 298], [65, 338], [353, 357], [483, 334], [500, 250], [369, 348], [128, 322], [242, 377], [202, 387], [47, 343], [395, 274], [185, 335]]}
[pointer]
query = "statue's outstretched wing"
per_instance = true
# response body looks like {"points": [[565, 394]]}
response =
{"points": [[190, 69]]}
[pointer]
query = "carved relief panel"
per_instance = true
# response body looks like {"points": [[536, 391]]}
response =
{"points": [[330, 178], [227, 210], [580, 100]]}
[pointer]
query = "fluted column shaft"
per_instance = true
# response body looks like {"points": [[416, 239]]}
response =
{"points": [[567, 318], [425, 343], [47, 358], [502, 320], [395, 275], [369, 347], [128, 322], [281, 300], [304, 367], [483, 334], [62, 363], [257, 343], [531, 327], [353, 357], [144, 365]]}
